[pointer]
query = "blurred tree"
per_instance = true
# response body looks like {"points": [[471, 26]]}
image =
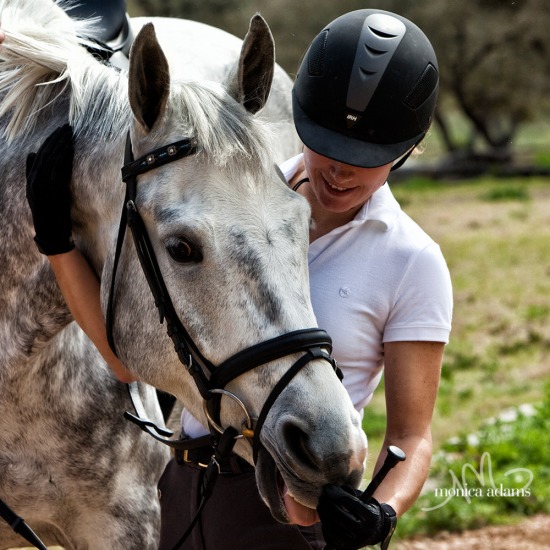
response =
{"points": [[188, 9], [494, 61], [293, 24]]}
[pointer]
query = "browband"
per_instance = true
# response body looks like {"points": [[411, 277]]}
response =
{"points": [[159, 157]]}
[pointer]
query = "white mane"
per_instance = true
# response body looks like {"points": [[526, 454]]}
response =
{"points": [[225, 133], [43, 56]]}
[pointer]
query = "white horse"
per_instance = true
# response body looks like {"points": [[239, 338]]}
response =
{"points": [[231, 242]]}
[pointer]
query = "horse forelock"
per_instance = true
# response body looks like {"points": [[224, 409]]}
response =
{"points": [[41, 60], [225, 132], [228, 136]]}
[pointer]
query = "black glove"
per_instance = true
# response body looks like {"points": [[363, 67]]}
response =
{"points": [[348, 523], [49, 174]]}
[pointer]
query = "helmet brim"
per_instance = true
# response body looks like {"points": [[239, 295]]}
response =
{"points": [[343, 148]]}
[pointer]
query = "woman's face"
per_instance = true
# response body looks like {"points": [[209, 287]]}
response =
{"points": [[341, 187]]}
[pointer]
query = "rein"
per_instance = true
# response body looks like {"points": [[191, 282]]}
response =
{"points": [[210, 380], [19, 526]]}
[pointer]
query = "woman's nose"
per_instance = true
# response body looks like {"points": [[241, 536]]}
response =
{"points": [[341, 172]]}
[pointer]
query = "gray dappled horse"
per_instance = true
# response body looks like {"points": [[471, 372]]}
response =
{"points": [[78, 473]]}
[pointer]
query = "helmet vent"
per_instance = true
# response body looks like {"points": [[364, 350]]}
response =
{"points": [[374, 52], [381, 33], [378, 41], [423, 88], [316, 56]]}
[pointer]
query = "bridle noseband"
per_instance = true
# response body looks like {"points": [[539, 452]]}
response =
{"points": [[210, 380]]}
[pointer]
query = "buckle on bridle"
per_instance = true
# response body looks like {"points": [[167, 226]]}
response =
{"points": [[185, 458]]}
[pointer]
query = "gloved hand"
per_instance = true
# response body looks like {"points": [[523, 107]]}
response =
{"points": [[48, 177], [348, 523]]}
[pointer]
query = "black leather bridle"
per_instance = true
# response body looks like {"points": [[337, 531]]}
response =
{"points": [[209, 379]]}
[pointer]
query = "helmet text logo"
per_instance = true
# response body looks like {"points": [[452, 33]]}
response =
{"points": [[351, 119]]}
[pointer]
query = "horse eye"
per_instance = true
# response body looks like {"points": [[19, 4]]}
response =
{"points": [[183, 251]]}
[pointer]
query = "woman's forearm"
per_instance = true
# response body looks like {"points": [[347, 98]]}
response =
{"points": [[81, 290]]}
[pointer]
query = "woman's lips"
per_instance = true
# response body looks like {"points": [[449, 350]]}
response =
{"points": [[337, 189]]}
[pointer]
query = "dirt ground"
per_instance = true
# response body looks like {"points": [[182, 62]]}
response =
{"points": [[531, 534]]}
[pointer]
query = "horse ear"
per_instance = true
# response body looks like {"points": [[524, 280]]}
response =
{"points": [[148, 78], [250, 82]]}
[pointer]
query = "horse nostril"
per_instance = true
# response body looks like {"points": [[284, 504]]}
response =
{"points": [[297, 443]]}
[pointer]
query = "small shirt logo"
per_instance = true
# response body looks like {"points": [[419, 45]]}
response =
{"points": [[345, 292]]}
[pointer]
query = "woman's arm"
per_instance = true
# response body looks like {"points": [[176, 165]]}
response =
{"points": [[412, 373], [80, 288], [49, 173]]}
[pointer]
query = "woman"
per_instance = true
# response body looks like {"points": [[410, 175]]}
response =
{"points": [[363, 99]]}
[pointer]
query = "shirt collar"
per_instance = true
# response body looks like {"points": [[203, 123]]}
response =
{"points": [[382, 207]]}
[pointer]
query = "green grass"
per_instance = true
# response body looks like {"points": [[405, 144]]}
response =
{"points": [[496, 239], [498, 475]]}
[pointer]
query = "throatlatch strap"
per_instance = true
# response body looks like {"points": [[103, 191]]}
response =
{"points": [[110, 313]]}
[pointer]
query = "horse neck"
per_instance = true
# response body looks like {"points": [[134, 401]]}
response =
{"points": [[100, 115], [98, 195]]}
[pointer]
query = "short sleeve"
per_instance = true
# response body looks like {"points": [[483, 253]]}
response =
{"points": [[423, 303]]}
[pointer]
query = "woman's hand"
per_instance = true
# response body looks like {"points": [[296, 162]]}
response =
{"points": [[348, 523]]}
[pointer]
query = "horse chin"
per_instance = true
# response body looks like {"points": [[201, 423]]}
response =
{"points": [[275, 492]]}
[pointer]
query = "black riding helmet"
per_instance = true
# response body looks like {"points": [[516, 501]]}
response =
{"points": [[113, 29], [366, 89]]}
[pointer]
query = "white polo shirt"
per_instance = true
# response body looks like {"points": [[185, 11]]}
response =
{"points": [[380, 278]]}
